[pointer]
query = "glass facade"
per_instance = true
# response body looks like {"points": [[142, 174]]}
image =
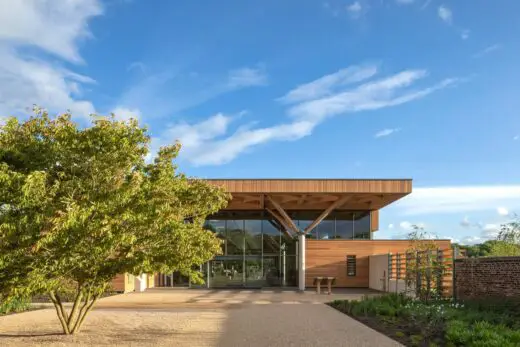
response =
{"points": [[258, 252]]}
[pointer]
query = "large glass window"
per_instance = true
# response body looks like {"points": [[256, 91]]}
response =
{"points": [[219, 228], [271, 236], [235, 236], [362, 225], [327, 229], [344, 225], [253, 236]]}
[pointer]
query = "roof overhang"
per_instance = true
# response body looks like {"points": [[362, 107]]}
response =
{"points": [[314, 194]]}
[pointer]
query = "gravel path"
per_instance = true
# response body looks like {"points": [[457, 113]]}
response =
{"points": [[132, 320]]}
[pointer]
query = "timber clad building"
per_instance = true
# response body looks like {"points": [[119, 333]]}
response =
{"points": [[286, 232]]}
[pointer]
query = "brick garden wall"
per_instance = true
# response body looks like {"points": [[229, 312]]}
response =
{"points": [[489, 277]]}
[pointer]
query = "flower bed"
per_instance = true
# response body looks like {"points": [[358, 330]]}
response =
{"points": [[439, 322]]}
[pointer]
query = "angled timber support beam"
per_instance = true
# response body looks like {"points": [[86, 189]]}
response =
{"points": [[280, 220], [325, 213], [288, 221]]}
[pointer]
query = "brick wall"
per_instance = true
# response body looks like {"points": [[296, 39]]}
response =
{"points": [[489, 277]]}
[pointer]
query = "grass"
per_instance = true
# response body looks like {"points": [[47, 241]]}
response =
{"points": [[438, 323]]}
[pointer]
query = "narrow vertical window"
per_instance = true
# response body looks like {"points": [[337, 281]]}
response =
{"points": [[351, 265]]}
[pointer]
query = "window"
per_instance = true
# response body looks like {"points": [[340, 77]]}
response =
{"points": [[351, 265]]}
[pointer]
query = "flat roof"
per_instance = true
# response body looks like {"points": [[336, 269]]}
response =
{"points": [[314, 193]]}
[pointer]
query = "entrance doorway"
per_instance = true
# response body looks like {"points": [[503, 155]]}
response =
{"points": [[252, 272]]}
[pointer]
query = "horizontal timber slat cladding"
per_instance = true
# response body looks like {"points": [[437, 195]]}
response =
{"points": [[328, 258], [314, 185], [118, 283]]}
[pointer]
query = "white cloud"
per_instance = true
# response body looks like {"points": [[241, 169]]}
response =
{"points": [[386, 132], [327, 84], [465, 223], [516, 137], [123, 113], [310, 104], [457, 199], [465, 34], [445, 14], [355, 9], [490, 231], [204, 144], [487, 50], [54, 27], [369, 96], [390, 226], [471, 240], [502, 211], [44, 26], [405, 2], [246, 77]]}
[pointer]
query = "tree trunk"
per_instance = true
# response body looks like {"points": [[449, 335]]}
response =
{"points": [[59, 311], [71, 324]]}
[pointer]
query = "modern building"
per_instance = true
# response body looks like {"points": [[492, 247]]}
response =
{"points": [[286, 232]]}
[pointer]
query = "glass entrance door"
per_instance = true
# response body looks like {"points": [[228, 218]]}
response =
{"points": [[254, 274]]}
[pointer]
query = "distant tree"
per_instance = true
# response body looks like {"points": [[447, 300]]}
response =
{"points": [[508, 239], [80, 205]]}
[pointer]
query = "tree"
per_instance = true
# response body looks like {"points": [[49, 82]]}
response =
{"points": [[80, 205], [508, 239]]}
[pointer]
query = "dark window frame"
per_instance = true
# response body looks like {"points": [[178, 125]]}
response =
{"points": [[351, 265]]}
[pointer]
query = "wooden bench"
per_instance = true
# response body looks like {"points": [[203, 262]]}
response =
{"points": [[329, 281]]}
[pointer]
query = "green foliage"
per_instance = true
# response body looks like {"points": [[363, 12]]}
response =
{"points": [[424, 271], [81, 205], [481, 333], [506, 244], [15, 305], [442, 322]]}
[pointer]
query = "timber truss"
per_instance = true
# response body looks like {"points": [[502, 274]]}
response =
{"points": [[278, 205]]}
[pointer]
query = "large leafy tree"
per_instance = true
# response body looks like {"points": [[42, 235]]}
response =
{"points": [[80, 205]]}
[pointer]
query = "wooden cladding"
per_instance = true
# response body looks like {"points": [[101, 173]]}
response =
{"points": [[328, 258], [374, 220], [400, 186]]}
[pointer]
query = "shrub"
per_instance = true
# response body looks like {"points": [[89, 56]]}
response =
{"points": [[14, 305]]}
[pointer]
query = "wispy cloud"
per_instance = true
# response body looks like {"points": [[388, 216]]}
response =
{"points": [[204, 143], [123, 113], [405, 2], [464, 34], [502, 211], [374, 95], [137, 66], [53, 28], [517, 137], [386, 132], [445, 14], [164, 93], [328, 84], [425, 4], [308, 105], [355, 9], [459, 199], [246, 77], [487, 50]]}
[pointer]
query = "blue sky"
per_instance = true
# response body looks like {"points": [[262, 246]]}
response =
{"points": [[420, 89]]}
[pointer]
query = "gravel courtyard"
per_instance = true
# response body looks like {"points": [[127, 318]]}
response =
{"points": [[199, 318]]}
